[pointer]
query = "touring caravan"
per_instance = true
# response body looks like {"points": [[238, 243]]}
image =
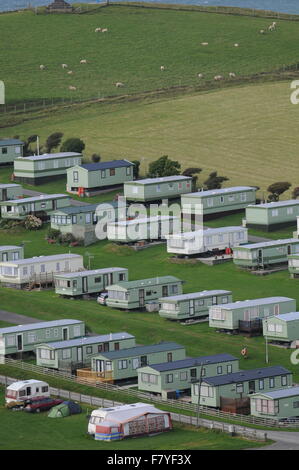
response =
{"points": [[25, 390]]}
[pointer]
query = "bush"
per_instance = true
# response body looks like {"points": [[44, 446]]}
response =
{"points": [[53, 234], [32, 223], [66, 238]]}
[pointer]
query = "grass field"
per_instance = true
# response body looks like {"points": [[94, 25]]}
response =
{"points": [[138, 42], [70, 434]]}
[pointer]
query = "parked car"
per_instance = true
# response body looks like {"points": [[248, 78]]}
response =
{"points": [[41, 404], [102, 298]]}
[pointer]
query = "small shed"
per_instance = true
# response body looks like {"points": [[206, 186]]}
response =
{"points": [[155, 189], [272, 215], [124, 421], [237, 315], [135, 294], [9, 191], [213, 240], [92, 177], [283, 328], [39, 270], [10, 149], [191, 306], [40, 206], [218, 202], [264, 255], [277, 405], [40, 169], [88, 282], [11, 252]]}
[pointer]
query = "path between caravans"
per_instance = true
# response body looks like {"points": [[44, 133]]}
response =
{"points": [[15, 318], [284, 440], [31, 193]]}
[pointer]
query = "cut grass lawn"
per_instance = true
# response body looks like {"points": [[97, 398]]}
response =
{"points": [[70, 433], [138, 42], [149, 328], [245, 133]]}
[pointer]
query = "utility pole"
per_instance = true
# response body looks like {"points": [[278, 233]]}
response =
{"points": [[266, 341], [199, 389]]}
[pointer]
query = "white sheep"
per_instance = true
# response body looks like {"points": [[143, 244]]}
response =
{"points": [[218, 77], [236, 44], [64, 66], [162, 68], [262, 31], [98, 30], [83, 61], [105, 30], [72, 88], [232, 75], [70, 72], [119, 84], [200, 75], [204, 43], [42, 67]]}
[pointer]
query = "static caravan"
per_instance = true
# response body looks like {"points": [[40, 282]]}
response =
{"points": [[283, 328], [88, 282], [272, 215], [265, 254], [277, 405], [76, 353], [155, 189], [82, 221], [24, 338], [120, 365], [10, 149], [230, 391], [186, 307], [293, 266], [170, 378], [92, 177], [218, 202], [211, 240], [25, 390], [40, 169], [38, 270], [136, 294], [143, 228], [120, 422], [10, 191], [11, 252], [239, 315], [40, 206]]}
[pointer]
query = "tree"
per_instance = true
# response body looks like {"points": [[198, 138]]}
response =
{"points": [[295, 192], [53, 141], [96, 158], [73, 144], [26, 150], [164, 167], [276, 189], [214, 181], [193, 173], [136, 169]]}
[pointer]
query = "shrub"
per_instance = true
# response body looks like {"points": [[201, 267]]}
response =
{"points": [[53, 234], [32, 223], [66, 238]]}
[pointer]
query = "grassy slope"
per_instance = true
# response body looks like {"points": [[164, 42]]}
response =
{"points": [[139, 41], [246, 133], [70, 433], [149, 328]]}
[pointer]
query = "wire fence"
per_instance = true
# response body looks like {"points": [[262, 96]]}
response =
{"points": [[137, 394]]}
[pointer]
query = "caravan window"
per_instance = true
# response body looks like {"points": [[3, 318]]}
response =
{"points": [[32, 338], [10, 340]]}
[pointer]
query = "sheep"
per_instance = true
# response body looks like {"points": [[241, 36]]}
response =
{"points": [[262, 31], [200, 75], [98, 30], [72, 88], [42, 67], [218, 77], [105, 30], [162, 68], [119, 84], [64, 66], [232, 75], [70, 72], [83, 61], [204, 43], [236, 44]]}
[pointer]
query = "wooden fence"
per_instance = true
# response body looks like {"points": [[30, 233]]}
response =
{"points": [[139, 395]]}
